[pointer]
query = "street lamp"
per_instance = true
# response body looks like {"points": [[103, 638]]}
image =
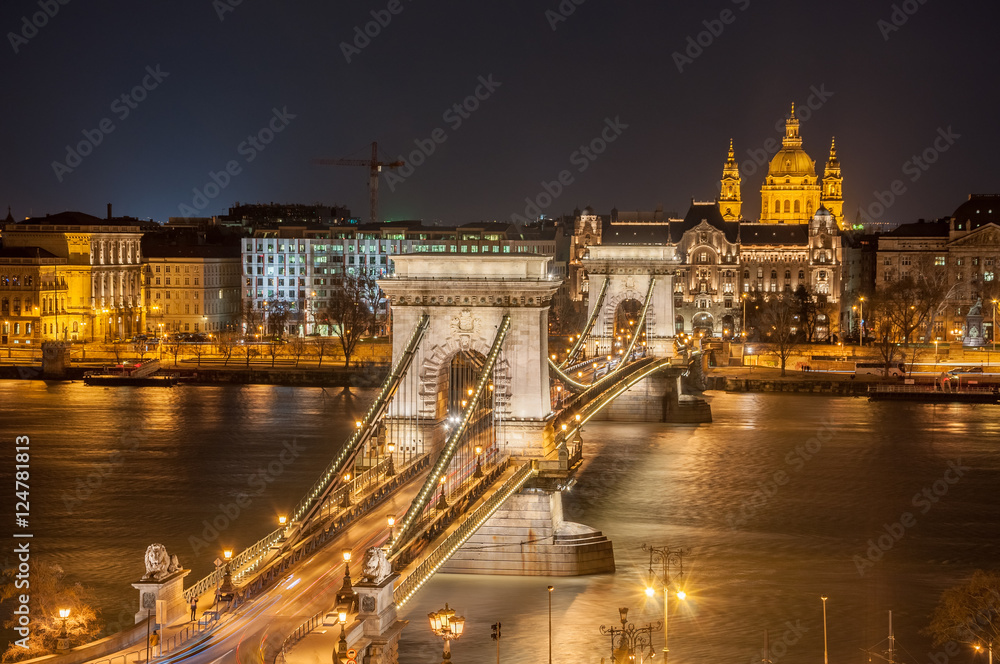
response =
{"points": [[861, 311], [978, 647], [227, 588], [550, 589], [448, 626], [345, 596], [628, 640], [667, 557], [390, 521], [63, 641], [826, 659], [442, 504], [390, 468], [346, 502], [342, 644], [479, 466]]}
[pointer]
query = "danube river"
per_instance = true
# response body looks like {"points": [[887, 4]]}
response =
{"points": [[782, 499]]}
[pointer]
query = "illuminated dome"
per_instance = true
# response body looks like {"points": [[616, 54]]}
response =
{"points": [[792, 162]]}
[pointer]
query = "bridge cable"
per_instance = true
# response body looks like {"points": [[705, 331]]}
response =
{"points": [[558, 368], [331, 478], [430, 485], [590, 324]]}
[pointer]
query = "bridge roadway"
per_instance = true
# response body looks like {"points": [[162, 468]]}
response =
{"points": [[255, 631]]}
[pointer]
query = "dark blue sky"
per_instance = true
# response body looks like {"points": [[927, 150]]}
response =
{"points": [[557, 89]]}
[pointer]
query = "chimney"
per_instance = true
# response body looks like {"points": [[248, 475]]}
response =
{"points": [[109, 211]]}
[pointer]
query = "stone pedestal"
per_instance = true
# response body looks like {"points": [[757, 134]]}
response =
{"points": [[973, 331], [55, 358], [528, 537], [170, 591], [379, 625]]}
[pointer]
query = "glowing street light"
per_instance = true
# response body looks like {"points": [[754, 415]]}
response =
{"points": [[448, 626]]}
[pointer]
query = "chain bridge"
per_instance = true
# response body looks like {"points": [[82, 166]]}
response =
{"points": [[467, 445]]}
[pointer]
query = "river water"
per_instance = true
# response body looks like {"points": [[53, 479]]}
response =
{"points": [[783, 499]]}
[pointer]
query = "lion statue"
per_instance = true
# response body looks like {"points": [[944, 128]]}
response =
{"points": [[159, 565], [376, 567]]}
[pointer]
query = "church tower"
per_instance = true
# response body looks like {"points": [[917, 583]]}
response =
{"points": [[791, 190], [833, 186], [730, 202]]}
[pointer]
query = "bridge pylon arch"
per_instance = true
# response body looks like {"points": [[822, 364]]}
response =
{"points": [[627, 269]]}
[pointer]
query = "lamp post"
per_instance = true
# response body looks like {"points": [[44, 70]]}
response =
{"points": [[861, 311], [345, 596], [743, 321], [63, 642], [342, 643], [346, 502], [390, 469], [391, 522], [442, 504], [628, 639], [667, 557], [227, 588], [826, 659], [978, 647], [550, 589], [448, 626], [479, 465], [993, 331]]}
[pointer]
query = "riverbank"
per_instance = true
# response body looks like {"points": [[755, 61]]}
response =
{"points": [[769, 379], [364, 375]]}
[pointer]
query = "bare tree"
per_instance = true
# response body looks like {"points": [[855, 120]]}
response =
{"points": [[173, 348], [198, 349], [274, 349], [50, 591], [970, 612], [278, 313], [350, 312], [322, 346], [880, 324], [226, 344], [297, 348], [779, 323]]}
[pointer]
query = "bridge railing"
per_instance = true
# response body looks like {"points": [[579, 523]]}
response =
{"points": [[426, 569], [298, 634]]}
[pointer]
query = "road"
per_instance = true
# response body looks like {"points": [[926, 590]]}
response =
{"points": [[255, 633]]}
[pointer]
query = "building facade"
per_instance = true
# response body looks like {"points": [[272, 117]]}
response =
{"points": [[959, 256], [720, 260], [95, 283], [300, 267], [192, 289]]}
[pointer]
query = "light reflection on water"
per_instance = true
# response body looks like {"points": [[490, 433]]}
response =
{"points": [[793, 542], [761, 554]]}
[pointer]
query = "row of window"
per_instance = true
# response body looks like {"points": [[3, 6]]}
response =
{"points": [[942, 260]]}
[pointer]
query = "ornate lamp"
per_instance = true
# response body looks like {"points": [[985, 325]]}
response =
{"points": [[448, 626]]}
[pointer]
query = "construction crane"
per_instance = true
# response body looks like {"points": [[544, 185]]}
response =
{"points": [[375, 167]]}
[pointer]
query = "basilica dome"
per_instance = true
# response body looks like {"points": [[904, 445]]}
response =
{"points": [[791, 161]]}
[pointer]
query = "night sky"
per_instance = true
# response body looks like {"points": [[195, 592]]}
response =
{"points": [[229, 68]]}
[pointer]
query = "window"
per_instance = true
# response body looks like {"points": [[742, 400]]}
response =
{"points": [[939, 260], [797, 206], [886, 261], [959, 262], [988, 276], [788, 207], [802, 275], [788, 275], [905, 260], [703, 257], [774, 275], [777, 206]]}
